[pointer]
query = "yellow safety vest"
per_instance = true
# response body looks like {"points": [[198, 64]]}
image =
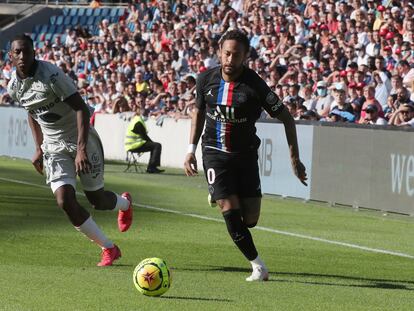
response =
{"points": [[132, 140]]}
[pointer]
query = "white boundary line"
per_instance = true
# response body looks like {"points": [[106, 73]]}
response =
{"points": [[296, 235]]}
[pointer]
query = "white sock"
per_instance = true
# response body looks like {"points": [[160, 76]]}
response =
{"points": [[92, 231], [257, 262], [121, 203]]}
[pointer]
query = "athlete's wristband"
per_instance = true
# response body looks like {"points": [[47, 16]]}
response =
{"points": [[191, 148]]}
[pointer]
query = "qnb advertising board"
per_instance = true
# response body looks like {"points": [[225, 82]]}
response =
{"points": [[16, 137], [275, 167]]}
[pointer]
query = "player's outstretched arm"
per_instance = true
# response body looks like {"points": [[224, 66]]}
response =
{"points": [[75, 101], [197, 125], [37, 159], [290, 130]]}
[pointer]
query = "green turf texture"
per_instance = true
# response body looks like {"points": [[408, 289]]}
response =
{"points": [[45, 264]]}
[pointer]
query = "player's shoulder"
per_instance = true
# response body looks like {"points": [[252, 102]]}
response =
{"points": [[209, 74], [47, 72], [250, 74]]}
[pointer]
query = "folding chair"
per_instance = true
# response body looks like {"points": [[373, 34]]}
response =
{"points": [[132, 159]]}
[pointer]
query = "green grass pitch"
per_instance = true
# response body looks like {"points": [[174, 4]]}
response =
{"points": [[45, 264]]}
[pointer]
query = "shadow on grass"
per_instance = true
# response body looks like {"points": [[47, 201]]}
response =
{"points": [[196, 298], [339, 279]]}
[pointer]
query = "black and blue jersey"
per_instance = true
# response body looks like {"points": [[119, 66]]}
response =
{"points": [[232, 109]]}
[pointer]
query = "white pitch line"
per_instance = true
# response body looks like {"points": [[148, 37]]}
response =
{"points": [[292, 234]]}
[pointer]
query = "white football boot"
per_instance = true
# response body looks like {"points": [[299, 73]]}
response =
{"points": [[259, 273]]}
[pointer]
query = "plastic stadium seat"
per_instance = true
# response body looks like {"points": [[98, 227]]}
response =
{"points": [[81, 11], [114, 12], [67, 20], [82, 20], [89, 12], [52, 20], [75, 20], [121, 11], [73, 11], [96, 12], [59, 20], [60, 29], [40, 44], [44, 29], [104, 12], [114, 19], [52, 29], [65, 11], [48, 36], [91, 20]]}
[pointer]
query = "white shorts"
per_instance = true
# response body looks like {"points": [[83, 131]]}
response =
{"points": [[59, 160]]}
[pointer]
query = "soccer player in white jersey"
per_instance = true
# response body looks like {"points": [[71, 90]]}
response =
{"points": [[59, 120]]}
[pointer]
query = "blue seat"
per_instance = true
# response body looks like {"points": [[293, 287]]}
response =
{"points": [[90, 20], [59, 20], [113, 12], [48, 36], [67, 20], [52, 20], [96, 12], [114, 19], [121, 11], [40, 44], [52, 29], [73, 11], [81, 11], [60, 29], [82, 20], [65, 11], [104, 12], [89, 12], [75, 20], [44, 29]]}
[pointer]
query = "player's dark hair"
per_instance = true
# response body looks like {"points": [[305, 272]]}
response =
{"points": [[22, 37], [236, 35]]}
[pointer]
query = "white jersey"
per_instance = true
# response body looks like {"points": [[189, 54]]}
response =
{"points": [[43, 97]]}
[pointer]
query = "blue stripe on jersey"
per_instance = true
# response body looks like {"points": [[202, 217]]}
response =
{"points": [[218, 124]]}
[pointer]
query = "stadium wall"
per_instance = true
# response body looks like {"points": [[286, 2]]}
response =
{"points": [[356, 166]]}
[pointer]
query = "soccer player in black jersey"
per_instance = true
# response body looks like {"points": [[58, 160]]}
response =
{"points": [[230, 99]]}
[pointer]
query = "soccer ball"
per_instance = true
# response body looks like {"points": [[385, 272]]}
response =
{"points": [[152, 277]]}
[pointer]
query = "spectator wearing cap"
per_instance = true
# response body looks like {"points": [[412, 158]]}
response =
{"points": [[403, 116], [294, 94], [389, 60], [369, 94], [309, 115], [372, 116], [380, 17], [340, 103], [323, 99]]}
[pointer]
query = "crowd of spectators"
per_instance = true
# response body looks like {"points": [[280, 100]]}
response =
{"points": [[333, 61]]}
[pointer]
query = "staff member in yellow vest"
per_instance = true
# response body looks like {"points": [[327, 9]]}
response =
{"points": [[137, 140]]}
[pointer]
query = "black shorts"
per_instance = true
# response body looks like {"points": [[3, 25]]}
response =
{"points": [[231, 174]]}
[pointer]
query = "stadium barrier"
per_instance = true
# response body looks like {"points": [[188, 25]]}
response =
{"points": [[356, 166]]}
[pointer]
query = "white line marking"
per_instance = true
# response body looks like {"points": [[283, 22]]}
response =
{"points": [[296, 235]]}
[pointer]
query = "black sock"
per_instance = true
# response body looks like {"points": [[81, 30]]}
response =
{"points": [[240, 234]]}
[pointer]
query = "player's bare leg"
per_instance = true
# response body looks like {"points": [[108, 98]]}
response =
{"points": [[108, 200], [239, 232], [83, 222]]}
